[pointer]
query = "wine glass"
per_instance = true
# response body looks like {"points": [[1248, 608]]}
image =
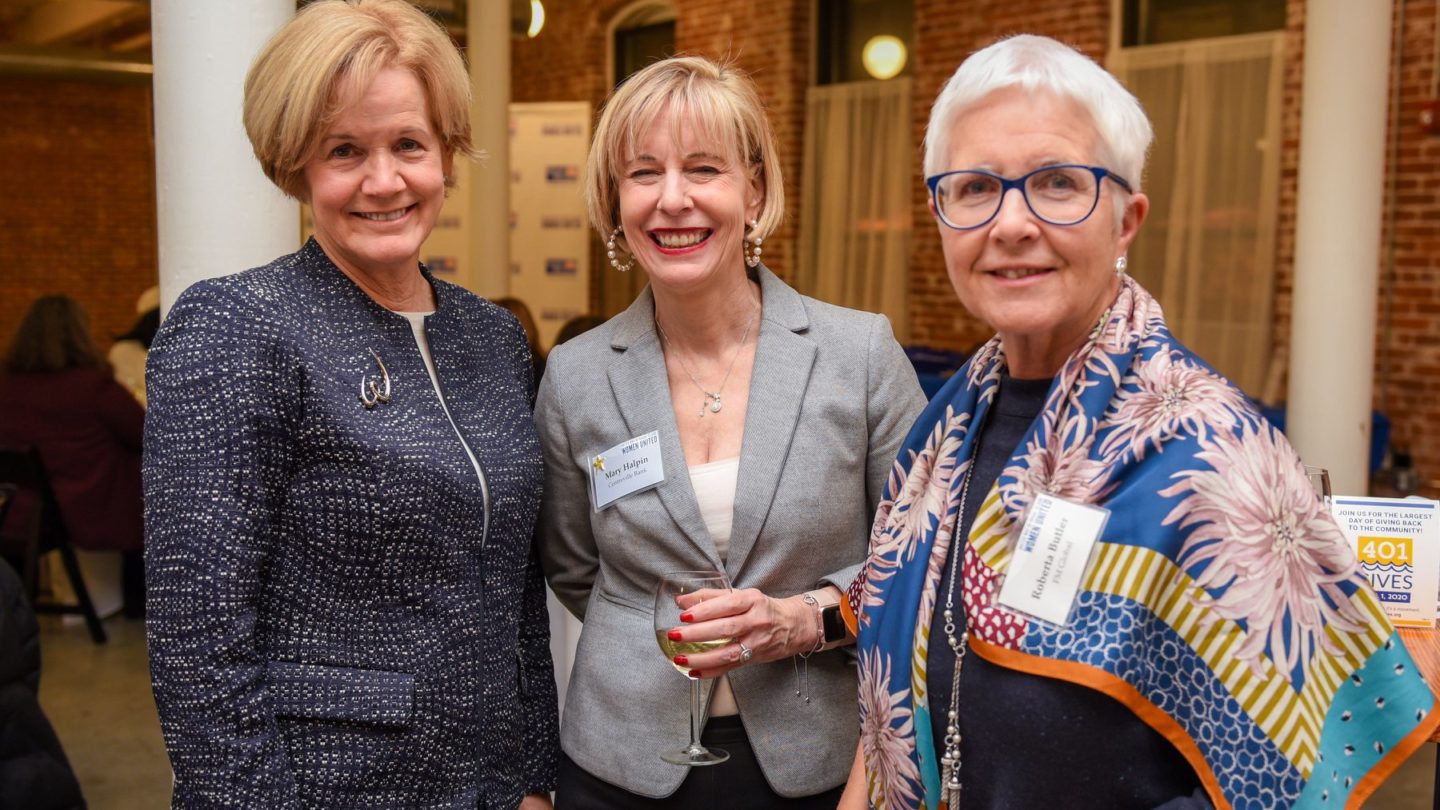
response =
{"points": [[677, 592], [1320, 479]]}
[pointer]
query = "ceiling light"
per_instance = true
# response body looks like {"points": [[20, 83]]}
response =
{"points": [[883, 55]]}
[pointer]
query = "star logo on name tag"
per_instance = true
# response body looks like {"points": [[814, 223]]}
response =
{"points": [[598, 464]]}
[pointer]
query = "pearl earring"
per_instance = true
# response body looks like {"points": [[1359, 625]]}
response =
{"points": [[610, 252], [1120, 265], [752, 246]]}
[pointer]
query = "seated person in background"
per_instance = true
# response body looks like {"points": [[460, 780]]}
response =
{"points": [[127, 356], [34, 773], [61, 399]]}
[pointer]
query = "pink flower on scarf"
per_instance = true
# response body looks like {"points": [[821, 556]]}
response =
{"points": [[921, 497], [1171, 395], [1057, 463], [1265, 548], [887, 736]]}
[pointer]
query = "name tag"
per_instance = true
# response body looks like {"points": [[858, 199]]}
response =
{"points": [[629, 467], [1051, 558]]}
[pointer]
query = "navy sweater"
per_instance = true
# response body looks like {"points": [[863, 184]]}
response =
{"points": [[1034, 742]]}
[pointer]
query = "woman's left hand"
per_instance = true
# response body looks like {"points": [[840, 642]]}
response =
{"points": [[769, 628]]}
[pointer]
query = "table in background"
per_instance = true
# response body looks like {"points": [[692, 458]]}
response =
{"points": [[1424, 647]]}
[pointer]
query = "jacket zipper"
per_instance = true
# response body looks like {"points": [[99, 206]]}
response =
{"points": [[469, 453]]}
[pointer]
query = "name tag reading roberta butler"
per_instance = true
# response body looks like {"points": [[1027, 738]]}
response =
{"points": [[1050, 560], [631, 466]]}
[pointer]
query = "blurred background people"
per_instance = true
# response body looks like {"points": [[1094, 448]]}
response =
{"points": [[522, 313], [342, 475], [777, 416], [127, 355], [34, 772], [61, 398], [577, 326]]}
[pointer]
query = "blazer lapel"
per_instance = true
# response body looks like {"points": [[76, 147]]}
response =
{"points": [[642, 393], [783, 360]]}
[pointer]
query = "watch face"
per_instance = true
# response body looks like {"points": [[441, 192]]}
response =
{"points": [[834, 624]]}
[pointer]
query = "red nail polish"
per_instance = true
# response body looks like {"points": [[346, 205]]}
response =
{"points": [[674, 635], [681, 661], [687, 617], [695, 673]]}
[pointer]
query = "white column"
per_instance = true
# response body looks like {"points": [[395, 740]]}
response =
{"points": [[488, 50], [1337, 235], [217, 212]]}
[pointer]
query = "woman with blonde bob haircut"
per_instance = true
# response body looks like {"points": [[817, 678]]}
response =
{"points": [[320, 64], [774, 418], [341, 471]]}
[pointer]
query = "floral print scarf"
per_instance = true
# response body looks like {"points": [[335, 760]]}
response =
{"points": [[1224, 605]]}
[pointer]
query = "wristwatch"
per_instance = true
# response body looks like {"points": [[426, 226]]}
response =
{"points": [[831, 624]]}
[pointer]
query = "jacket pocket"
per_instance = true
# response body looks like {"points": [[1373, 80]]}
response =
{"points": [[320, 692], [621, 601]]}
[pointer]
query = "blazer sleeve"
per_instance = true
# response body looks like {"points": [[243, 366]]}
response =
{"points": [[218, 451], [538, 699], [566, 541], [893, 399]]}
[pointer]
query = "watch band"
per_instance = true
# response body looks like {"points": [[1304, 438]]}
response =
{"points": [[831, 629]]}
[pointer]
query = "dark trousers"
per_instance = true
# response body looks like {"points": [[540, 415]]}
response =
{"points": [[736, 784]]}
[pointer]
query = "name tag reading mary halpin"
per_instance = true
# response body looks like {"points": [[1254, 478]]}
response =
{"points": [[1050, 560], [631, 466]]}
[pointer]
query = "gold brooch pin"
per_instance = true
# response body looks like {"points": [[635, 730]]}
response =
{"points": [[368, 385], [598, 465]]}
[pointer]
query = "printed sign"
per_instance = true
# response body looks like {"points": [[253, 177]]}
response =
{"points": [[1397, 545], [566, 173], [560, 267]]}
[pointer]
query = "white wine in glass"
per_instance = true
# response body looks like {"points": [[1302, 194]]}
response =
{"points": [[676, 593]]}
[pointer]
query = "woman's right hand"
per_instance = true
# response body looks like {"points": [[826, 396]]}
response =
{"points": [[771, 628], [854, 797]]}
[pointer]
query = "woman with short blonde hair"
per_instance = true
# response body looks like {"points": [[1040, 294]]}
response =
{"points": [[775, 418], [341, 471]]}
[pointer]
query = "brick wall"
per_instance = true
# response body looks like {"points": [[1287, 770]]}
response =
{"points": [[1408, 335], [79, 202]]}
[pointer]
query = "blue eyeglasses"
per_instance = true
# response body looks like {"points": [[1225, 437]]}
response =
{"points": [[1060, 195]]}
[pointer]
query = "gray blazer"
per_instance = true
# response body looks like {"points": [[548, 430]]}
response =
{"points": [[831, 397]]}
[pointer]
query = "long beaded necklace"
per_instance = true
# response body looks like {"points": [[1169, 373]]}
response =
{"points": [[950, 762], [711, 398]]}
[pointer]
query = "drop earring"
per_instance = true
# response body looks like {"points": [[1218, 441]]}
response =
{"points": [[1120, 265], [611, 252], [752, 246]]}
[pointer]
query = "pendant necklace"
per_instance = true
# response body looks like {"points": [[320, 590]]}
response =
{"points": [[950, 762], [711, 399]]}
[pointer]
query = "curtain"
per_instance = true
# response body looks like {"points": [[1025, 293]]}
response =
{"points": [[855, 202], [1207, 251]]}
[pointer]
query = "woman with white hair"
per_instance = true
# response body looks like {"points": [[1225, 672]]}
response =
{"points": [[1097, 574]]}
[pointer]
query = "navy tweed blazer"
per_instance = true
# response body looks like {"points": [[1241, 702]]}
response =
{"points": [[340, 614]]}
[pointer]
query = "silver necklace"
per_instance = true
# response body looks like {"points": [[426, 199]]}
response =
{"points": [[950, 762], [711, 398]]}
